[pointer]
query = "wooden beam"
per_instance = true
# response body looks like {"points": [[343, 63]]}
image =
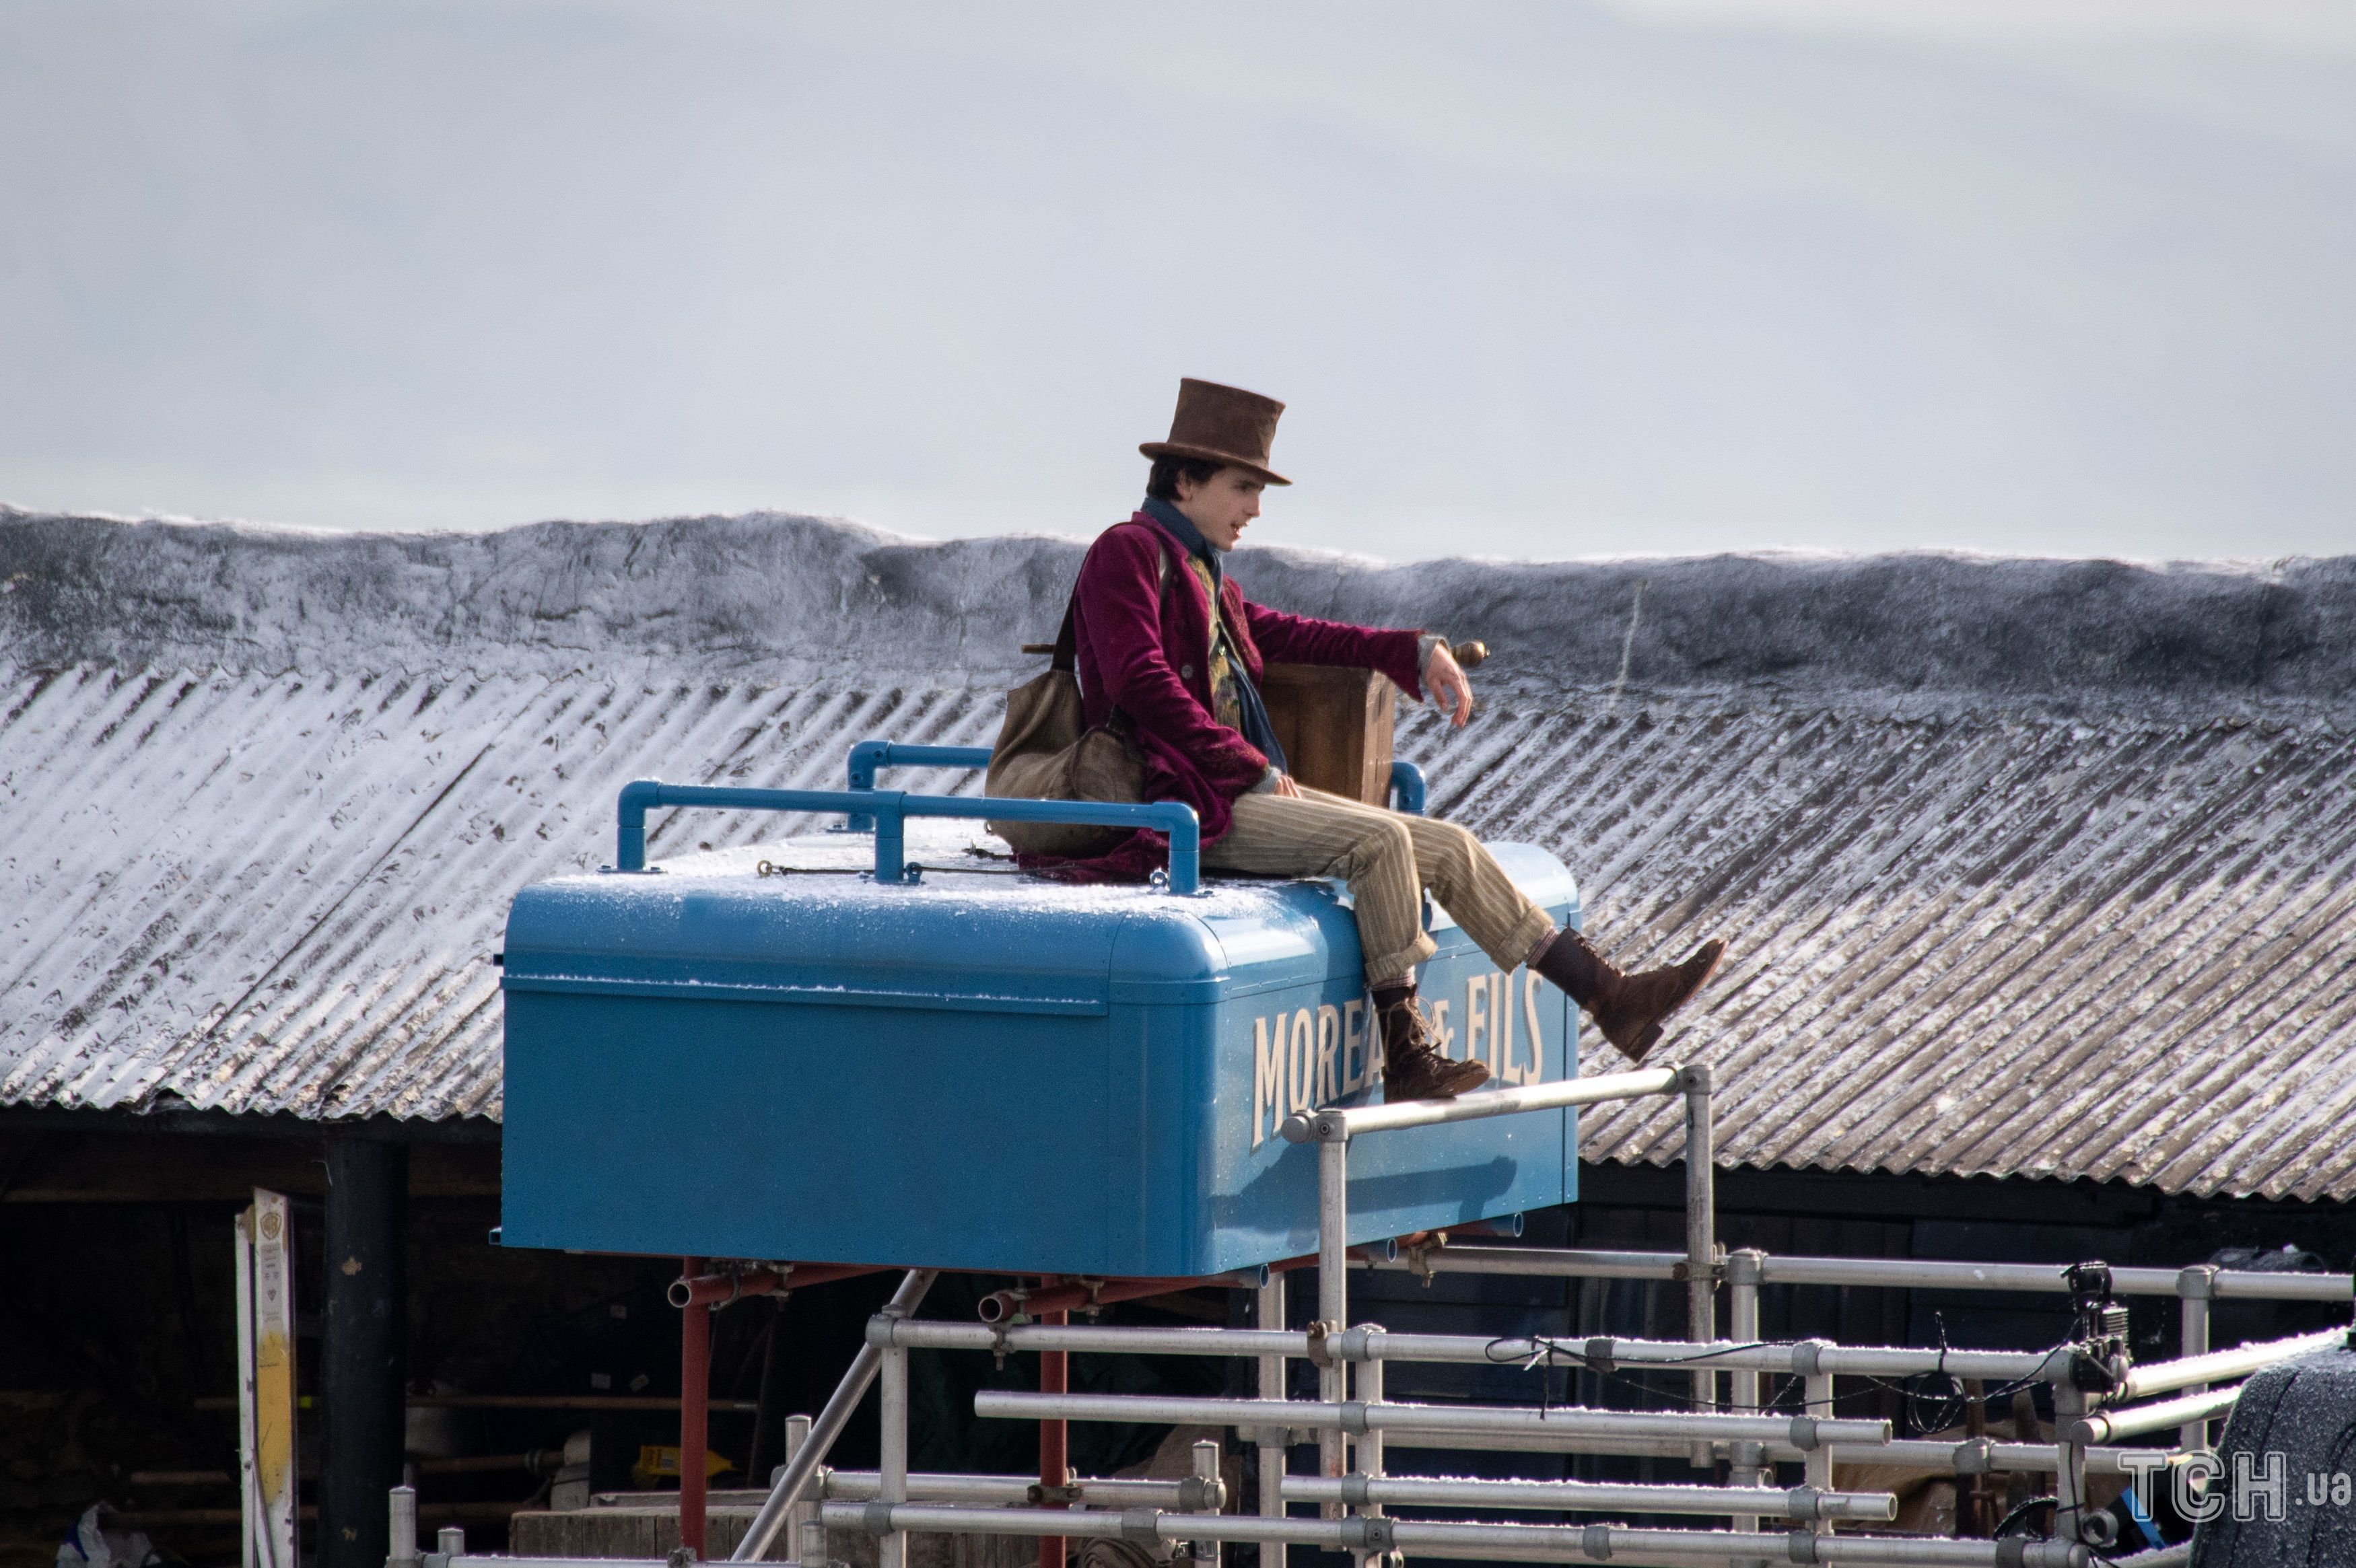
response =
{"points": [[122, 1168], [364, 1351]]}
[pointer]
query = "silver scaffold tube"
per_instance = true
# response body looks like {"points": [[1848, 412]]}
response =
{"points": [[1967, 1459], [2164, 1377], [2252, 1285], [1592, 1497], [1269, 1312], [2109, 1426], [796, 1477], [1368, 1342], [1803, 1432], [1340, 1124], [1565, 1443], [491, 1560], [1104, 1338], [1623, 1547], [867, 1486], [1981, 1455], [1806, 1357], [1135, 1524], [1890, 1274], [1537, 1263], [1525, 1542]]}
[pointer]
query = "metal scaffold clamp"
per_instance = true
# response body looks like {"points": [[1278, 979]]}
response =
{"points": [[1419, 1256], [1321, 1352], [1682, 1269], [1202, 1494]]}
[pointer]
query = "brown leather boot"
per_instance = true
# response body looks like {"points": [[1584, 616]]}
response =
{"points": [[1413, 1069], [1627, 1008]]}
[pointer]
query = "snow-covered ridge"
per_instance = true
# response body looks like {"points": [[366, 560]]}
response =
{"points": [[795, 598]]}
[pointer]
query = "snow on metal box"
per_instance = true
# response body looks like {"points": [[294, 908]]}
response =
{"points": [[983, 1070]]}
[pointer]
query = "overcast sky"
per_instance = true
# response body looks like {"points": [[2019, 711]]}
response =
{"points": [[2060, 277]]}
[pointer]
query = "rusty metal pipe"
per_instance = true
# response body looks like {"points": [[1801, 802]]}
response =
{"points": [[719, 1289], [1054, 1436], [1508, 1226], [694, 1418], [1004, 1305], [1052, 1301], [1374, 1255]]}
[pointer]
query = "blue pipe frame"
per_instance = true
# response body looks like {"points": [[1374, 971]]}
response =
{"points": [[869, 758], [884, 813], [891, 809]]}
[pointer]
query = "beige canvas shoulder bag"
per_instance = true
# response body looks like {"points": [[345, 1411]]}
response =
{"points": [[1046, 751]]}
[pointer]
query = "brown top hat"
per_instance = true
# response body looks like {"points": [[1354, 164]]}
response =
{"points": [[1222, 425]]}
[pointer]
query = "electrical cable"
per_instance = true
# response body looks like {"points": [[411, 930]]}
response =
{"points": [[2022, 1512], [1549, 1350], [1554, 1352]]}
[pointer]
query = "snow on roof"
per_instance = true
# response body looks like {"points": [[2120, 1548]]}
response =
{"points": [[2001, 943], [2030, 866]]}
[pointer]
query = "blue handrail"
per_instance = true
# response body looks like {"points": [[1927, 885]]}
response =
{"points": [[891, 808], [1406, 788], [869, 758]]}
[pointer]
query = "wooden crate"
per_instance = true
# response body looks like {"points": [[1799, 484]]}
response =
{"points": [[1335, 727]]}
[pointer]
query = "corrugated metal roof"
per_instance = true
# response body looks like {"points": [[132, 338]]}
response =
{"points": [[281, 894], [1976, 944], [1973, 933]]}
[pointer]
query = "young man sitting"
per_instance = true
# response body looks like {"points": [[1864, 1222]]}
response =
{"points": [[1166, 639]]}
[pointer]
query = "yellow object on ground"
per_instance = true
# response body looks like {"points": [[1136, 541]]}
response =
{"points": [[658, 1463]]}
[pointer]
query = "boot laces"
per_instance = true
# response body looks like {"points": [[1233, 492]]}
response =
{"points": [[1414, 1033]]}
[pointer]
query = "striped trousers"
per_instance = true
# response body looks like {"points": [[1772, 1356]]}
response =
{"points": [[1389, 858]]}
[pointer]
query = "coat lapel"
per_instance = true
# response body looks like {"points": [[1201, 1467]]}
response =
{"points": [[1185, 615], [1238, 624]]}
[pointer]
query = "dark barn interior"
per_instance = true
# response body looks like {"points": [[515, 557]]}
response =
{"points": [[116, 1373]]}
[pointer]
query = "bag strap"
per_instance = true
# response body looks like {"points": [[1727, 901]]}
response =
{"points": [[1067, 639]]}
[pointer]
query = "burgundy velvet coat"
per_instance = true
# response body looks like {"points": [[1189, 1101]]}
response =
{"points": [[1143, 640]]}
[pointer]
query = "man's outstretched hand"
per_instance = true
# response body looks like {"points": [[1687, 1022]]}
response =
{"points": [[1450, 687]]}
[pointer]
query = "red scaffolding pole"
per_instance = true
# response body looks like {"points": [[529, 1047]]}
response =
{"points": [[1055, 1450], [694, 1412]]}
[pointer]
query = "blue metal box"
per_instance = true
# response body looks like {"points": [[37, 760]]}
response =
{"points": [[983, 1070]]}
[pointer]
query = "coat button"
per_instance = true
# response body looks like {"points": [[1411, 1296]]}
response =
{"points": [[1185, 672]]}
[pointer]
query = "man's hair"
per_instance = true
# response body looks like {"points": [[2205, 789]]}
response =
{"points": [[1162, 482]]}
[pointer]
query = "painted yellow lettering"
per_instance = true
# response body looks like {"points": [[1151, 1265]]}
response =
{"points": [[1476, 1017], [1268, 1077], [1537, 1073], [1501, 1027], [1302, 1061], [1329, 1053]]}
